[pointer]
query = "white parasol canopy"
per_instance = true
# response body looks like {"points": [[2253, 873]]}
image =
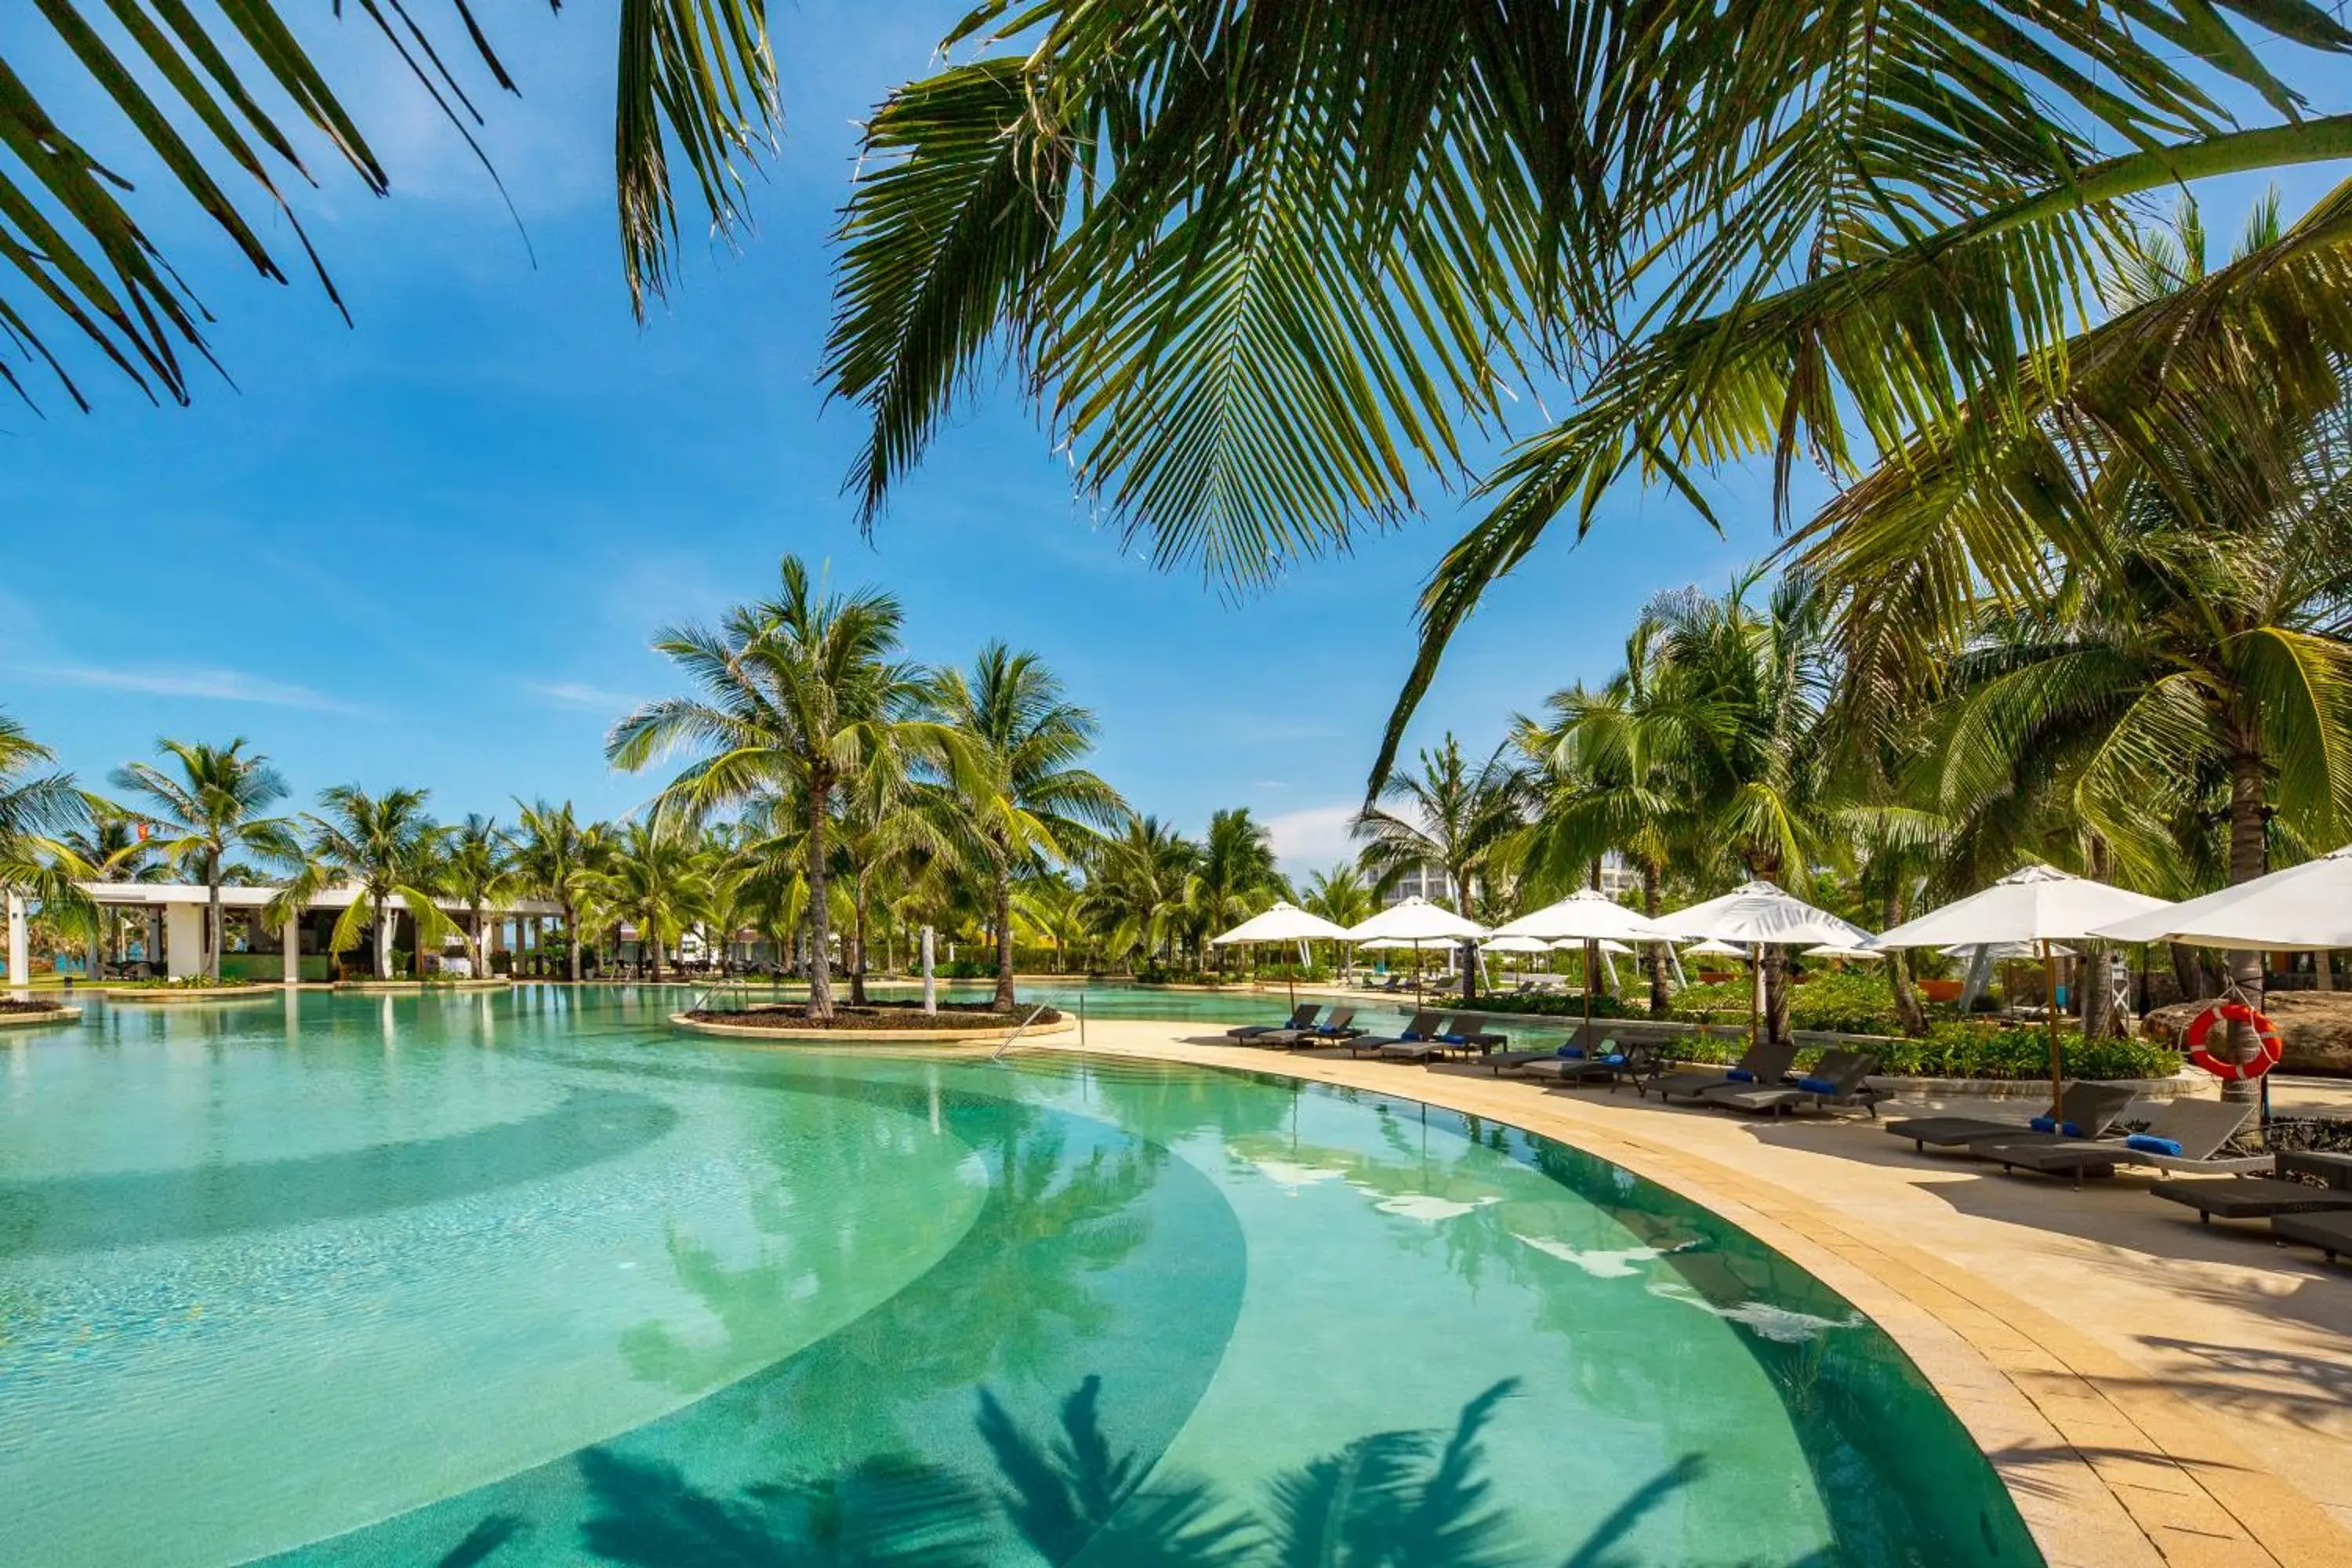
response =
{"points": [[1999, 951], [1712, 949], [1759, 913], [1286, 921], [1283, 922], [2039, 904], [2306, 906], [1836, 950], [1515, 945], [1416, 920], [2035, 904], [1588, 915], [1614, 948]]}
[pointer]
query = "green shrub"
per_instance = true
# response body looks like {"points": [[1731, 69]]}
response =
{"points": [[1955, 1049]]}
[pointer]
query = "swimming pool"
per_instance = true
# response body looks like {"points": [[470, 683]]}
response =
{"points": [[519, 1280]]}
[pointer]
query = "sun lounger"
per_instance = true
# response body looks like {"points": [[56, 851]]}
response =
{"points": [[1605, 1063], [1835, 1080], [1765, 1063], [2331, 1233], [1301, 1016], [1440, 1040], [2255, 1198], [2186, 1135], [1469, 1029], [1337, 1030], [1417, 1031], [2089, 1108]]}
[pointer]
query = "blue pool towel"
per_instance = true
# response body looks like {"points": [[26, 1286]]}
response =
{"points": [[1615, 1058], [2147, 1144], [2046, 1124], [1818, 1085], [1409, 1035], [1572, 1053], [1453, 1039], [1739, 1075]]}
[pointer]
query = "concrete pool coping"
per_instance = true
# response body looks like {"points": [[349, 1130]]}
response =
{"points": [[2193, 1404], [1065, 1024]]}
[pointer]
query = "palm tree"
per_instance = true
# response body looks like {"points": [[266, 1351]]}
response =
{"points": [[1339, 895], [1026, 802], [696, 81], [384, 848], [1605, 777], [657, 878], [212, 809], [2170, 555], [1258, 263], [1051, 908], [37, 809], [1138, 886], [1754, 762], [1237, 875], [1450, 817], [800, 694], [476, 867], [553, 858]]}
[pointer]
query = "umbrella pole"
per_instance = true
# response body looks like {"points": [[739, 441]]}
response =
{"points": [[2050, 996], [1756, 994], [1587, 1041]]}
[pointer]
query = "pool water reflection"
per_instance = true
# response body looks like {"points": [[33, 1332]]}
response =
{"points": [[523, 1279]]}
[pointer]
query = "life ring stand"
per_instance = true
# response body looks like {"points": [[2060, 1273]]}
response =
{"points": [[2264, 1031]]}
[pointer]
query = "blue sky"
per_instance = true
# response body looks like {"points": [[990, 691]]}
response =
{"points": [[430, 549]]}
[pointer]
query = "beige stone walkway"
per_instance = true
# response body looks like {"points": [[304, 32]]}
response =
{"points": [[2152, 1390]]}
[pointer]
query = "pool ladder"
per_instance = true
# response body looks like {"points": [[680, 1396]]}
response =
{"points": [[1006, 1044]]}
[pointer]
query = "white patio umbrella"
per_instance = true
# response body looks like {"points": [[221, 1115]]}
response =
{"points": [[2004, 950], [1286, 921], [1590, 917], [1759, 914], [1416, 921], [2037, 904], [1715, 950], [2304, 907], [1843, 950], [1516, 944]]}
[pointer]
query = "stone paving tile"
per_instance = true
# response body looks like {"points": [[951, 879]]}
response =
{"points": [[2109, 1467]]}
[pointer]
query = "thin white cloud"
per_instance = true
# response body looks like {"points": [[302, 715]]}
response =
{"points": [[1313, 837], [188, 680], [579, 694]]}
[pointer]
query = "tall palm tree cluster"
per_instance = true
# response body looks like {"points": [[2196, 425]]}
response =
{"points": [[860, 786]]}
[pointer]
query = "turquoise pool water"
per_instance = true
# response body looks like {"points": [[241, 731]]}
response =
{"points": [[524, 1280]]}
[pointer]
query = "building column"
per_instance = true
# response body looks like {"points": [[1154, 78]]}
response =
{"points": [[20, 942], [291, 965]]}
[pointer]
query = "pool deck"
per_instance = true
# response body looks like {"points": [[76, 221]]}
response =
{"points": [[2152, 1390]]}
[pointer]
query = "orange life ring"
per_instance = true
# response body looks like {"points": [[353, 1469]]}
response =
{"points": [[2265, 1032]]}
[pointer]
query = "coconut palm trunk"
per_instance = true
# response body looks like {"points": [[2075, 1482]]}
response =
{"points": [[858, 950], [213, 920], [820, 912], [1908, 1013], [1004, 999]]}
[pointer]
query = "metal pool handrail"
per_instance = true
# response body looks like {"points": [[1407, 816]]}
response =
{"points": [[1006, 1044]]}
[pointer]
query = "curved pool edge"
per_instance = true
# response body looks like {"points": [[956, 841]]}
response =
{"points": [[2037, 1396]]}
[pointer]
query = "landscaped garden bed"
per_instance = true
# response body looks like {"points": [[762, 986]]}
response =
{"points": [[15, 1014], [190, 988], [877, 1017], [880, 1022]]}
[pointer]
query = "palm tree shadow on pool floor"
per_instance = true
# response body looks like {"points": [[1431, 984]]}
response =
{"points": [[1069, 1497]]}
